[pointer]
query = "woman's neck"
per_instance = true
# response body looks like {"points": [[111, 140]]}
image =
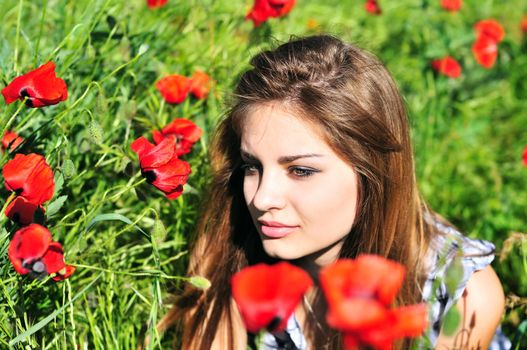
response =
{"points": [[313, 263]]}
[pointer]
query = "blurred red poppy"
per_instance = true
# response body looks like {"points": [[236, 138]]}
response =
{"points": [[262, 10], [523, 24], [373, 7], [23, 212], [29, 176], [32, 250], [451, 5], [267, 295], [156, 3], [485, 51], [402, 322], [183, 130], [490, 28], [174, 88], [41, 87], [359, 294], [161, 167], [11, 141], [447, 66], [524, 156], [200, 84]]}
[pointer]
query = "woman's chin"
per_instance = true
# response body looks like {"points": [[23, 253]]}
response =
{"points": [[285, 252]]}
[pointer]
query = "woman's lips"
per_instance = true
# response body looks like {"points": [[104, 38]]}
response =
{"points": [[277, 231]]}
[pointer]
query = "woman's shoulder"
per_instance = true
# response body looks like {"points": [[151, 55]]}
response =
{"points": [[459, 273], [451, 250]]}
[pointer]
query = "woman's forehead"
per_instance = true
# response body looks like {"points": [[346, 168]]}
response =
{"points": [[273, 128]]}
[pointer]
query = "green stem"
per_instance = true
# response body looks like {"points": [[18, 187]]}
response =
{"points": [[10, 121], [17, 35], [37, 45]]}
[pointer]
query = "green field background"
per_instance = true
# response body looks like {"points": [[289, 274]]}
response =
{"points": [[129, 243]]}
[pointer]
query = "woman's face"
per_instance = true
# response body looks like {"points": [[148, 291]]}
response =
{"points": [[301, 195]]}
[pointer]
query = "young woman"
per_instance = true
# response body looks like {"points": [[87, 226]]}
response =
{"points": [[314, 163]]}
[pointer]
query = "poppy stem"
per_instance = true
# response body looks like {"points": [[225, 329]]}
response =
{"points": [[127, 187], [10, 121], [17, 35], [37, 44]]}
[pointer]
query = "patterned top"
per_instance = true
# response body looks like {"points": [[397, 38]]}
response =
{"points": [[475, 255]]}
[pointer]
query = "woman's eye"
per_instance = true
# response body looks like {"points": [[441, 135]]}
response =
{"points": [[249, 169], [302, 172]]}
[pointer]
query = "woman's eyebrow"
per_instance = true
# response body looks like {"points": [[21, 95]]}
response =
{"points": [[283, 159], [289, 159]]}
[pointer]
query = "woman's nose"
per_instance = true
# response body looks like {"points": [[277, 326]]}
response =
{"points": [[270, 193]]}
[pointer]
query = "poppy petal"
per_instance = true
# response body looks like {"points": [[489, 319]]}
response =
{"points": [[174, 88], [451, 5], [153, 156], [29, 176], [267, 295], [53, 259], [22, 211], [352, 314], [447, 66], [153, 4], [11, 141], [200, 84], [485, 51], [262, 10], [41, 86], [491, 28], [185, 131]]}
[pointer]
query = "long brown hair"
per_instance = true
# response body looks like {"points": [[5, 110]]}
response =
{"points": [[351, 96]]}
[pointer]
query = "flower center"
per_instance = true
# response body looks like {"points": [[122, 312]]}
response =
{"points": [[150, 175]]}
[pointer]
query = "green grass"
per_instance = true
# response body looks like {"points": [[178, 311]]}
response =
{"points": [[129, 242]]}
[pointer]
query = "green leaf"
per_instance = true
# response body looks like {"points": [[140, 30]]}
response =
{"points": [[114, 217], [54, 206], [451, 321], [454, 275], [59, 181]]}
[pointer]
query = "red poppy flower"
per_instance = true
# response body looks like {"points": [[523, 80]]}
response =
{"points": [[41, 87], [23, 212], [451, 5], [183, 130], [524, 156], [29, 244], [359, 294], [447, 66], [267, 295], [29, 176], [11, 141], [161, 167], [156, 3], [32, 250], [174, 88], [262, 10], [372, 7], [485, 51], [200, 84], [490, 28], [523, 24]]}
